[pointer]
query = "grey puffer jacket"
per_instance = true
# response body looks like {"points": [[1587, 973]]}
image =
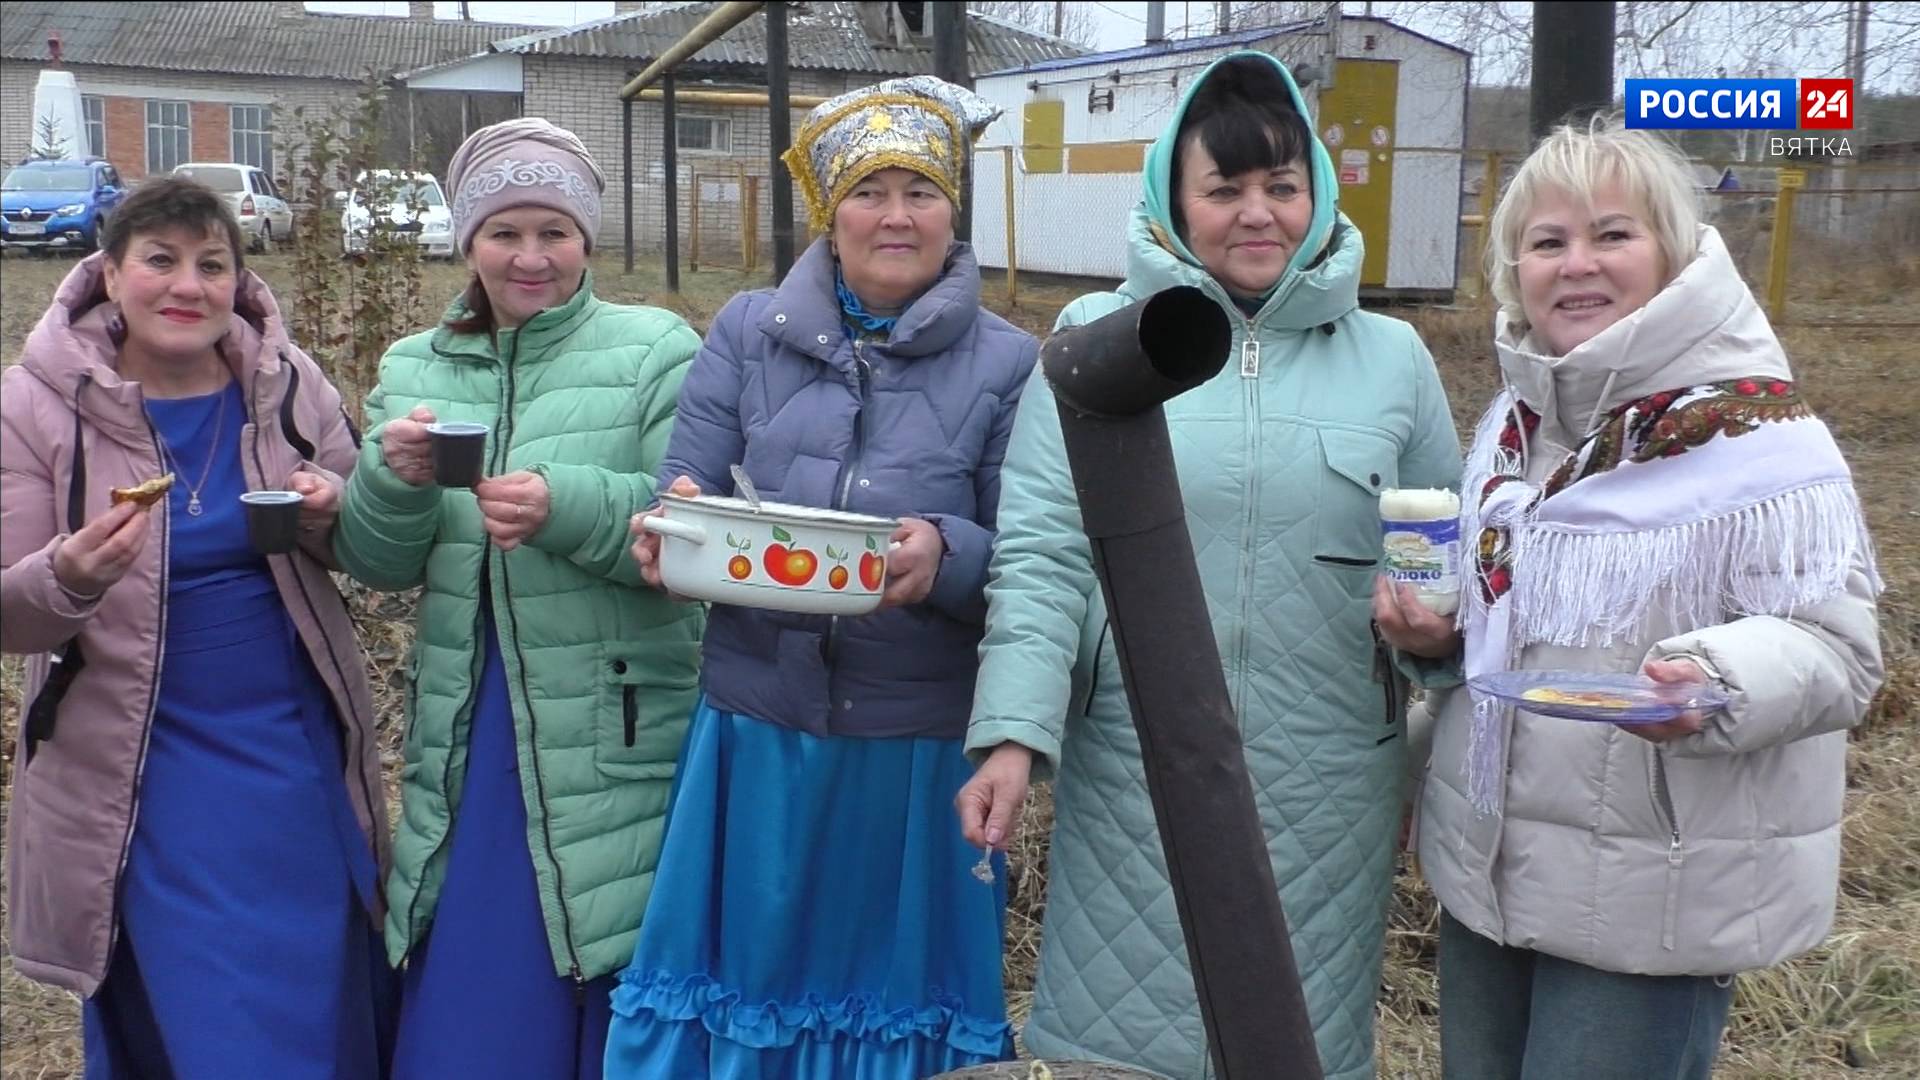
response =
{"points": [[912, 426], [1711, 854]]}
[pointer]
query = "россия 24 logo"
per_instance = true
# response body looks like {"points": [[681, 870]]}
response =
{"points": [[1734, 104]]}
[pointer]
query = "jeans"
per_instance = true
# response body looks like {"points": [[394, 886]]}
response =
{"points": [[1516, 1014]]}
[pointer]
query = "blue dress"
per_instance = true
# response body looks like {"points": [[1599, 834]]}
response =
{"points": [[814, 917], [247, 946], [482, 1000]]}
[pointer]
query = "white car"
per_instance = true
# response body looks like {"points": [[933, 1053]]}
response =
{"points": [[264, 216], [414, 205]]}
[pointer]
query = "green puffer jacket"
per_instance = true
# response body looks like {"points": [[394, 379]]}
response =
{"points": [[1282, 457], [601, 669]]}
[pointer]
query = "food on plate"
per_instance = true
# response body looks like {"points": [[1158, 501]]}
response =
{"points": [[145, 494], [1592, 699]]}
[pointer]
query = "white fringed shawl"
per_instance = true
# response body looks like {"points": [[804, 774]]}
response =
{"points": [[1728, 498]]}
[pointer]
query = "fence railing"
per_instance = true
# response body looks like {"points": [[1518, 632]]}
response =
{"points": [[1063, 211], [1050, 210]]}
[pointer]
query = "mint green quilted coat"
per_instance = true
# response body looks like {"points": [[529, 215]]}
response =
{"points": [[601, 669], [1281, 463]]}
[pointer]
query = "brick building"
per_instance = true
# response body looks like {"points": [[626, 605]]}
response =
{"points": [[163, 84], [572, 76]]}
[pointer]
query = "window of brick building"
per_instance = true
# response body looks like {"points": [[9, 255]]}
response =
{"points": [[169, 136], [711, 134], [93, 111], [253, 136]]}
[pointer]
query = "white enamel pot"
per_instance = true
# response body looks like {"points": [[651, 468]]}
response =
{"points": [[780, 557]]}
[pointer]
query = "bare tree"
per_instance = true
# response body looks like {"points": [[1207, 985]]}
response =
{"points": [[1686, 38], [1248, 15], [1074, 22]]}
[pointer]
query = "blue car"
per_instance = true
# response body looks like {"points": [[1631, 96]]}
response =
{"points": [[58, 204]]}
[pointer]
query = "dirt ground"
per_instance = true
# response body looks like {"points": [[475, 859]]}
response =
{"points": [[1850, 1008]]}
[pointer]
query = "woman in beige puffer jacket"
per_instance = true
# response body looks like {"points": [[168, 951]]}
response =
{"points": [[1649, 493]]}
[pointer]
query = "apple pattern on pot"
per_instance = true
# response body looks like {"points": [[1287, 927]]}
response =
{"points": [[873, 567], [837, 577], [790, 564], [786, 562], [739, 568]]}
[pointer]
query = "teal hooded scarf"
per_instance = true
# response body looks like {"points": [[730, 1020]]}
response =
{"points": [[1164, 154]]}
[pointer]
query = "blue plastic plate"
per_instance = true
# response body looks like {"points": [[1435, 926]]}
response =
{"points": [[1610, 698]]}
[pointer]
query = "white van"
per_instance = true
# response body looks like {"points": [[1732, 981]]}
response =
{"points": [[264, 216], [414, 205]]}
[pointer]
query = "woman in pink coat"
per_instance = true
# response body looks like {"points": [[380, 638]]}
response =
{"points": [[196, 826]]}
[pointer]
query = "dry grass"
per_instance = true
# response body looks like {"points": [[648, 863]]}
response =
{"points": [[1850, 1008]]}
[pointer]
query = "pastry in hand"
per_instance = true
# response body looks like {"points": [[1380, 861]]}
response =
{"points": [[145, 494]]}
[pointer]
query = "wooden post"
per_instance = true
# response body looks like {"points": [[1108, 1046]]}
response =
{"points": [[1013, 259], [740, 206], [693, 221], [1780, 251], [779, 138], [670, 160], [1489, 191], [752, 254], [626, 175]]}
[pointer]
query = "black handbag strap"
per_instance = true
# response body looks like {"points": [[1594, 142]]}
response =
{"points": [[77, 481], [67, 660]]}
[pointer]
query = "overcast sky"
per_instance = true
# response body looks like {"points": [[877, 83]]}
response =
{"points": [[1122, 23]]}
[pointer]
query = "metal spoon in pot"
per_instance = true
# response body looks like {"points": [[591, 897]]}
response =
{"points": [[745, 487]]}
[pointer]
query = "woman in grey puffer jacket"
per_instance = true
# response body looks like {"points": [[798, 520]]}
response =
{"points": [[815, 917]]}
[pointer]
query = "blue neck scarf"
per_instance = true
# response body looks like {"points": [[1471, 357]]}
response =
{"points": [[853, 315]]}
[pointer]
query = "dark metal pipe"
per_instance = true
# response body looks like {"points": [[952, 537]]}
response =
{"points": [[1572, 62], [779, 138], [1111, 378], [949, 26]]}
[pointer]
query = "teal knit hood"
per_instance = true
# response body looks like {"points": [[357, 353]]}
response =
{"points": [[1165, 152]]}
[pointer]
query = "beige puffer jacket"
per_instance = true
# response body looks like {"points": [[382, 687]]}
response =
{"points": [[1720, 852]]}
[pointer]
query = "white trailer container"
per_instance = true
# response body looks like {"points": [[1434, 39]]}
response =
{"points": [[1075, 131]]}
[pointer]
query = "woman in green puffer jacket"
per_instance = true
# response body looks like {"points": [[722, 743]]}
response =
{"points": [[550, 688], [1282, 458]]}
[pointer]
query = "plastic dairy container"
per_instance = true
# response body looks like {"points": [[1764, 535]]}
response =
{"points": [[1420, 535]]}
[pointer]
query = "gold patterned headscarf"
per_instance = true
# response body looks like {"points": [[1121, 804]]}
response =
{"points": [[919, 123]]}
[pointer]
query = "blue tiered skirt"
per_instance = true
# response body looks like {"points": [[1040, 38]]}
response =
{"points": [[815, 916]]}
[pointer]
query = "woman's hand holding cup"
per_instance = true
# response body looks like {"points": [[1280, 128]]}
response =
{"points": [[319, 501], [407, 448]]}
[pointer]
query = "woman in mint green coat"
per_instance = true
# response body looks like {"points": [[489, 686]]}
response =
{"points": [[550, 688], [1282, 457]]}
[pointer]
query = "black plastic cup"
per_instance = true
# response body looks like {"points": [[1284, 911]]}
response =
{"points": [[459, 453], [273, 520]]}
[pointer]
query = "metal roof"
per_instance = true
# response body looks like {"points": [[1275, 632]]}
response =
{"points": [[240, 38], [820, 36], [1211, 42]]}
